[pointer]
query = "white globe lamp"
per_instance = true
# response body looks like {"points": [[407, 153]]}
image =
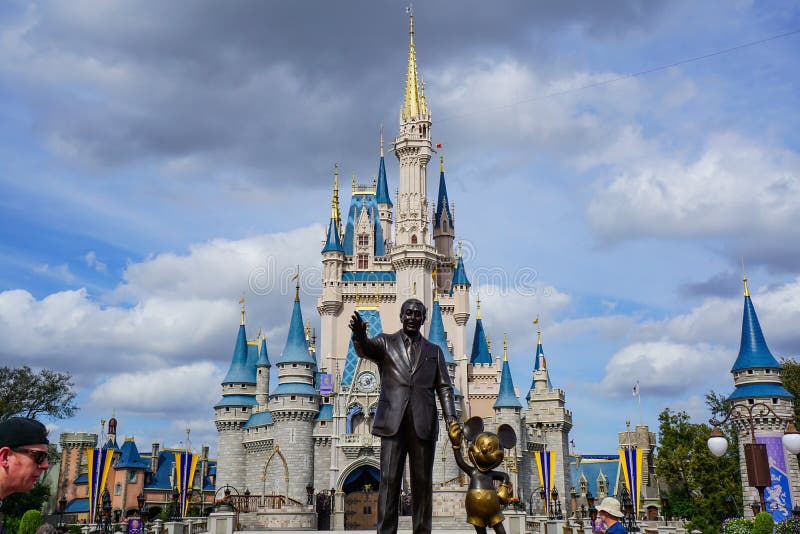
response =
{"points": [[717, 443]]}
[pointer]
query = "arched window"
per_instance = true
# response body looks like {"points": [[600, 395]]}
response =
{"points": [[413, 239], [584, 485], [117, 489], [602, 485]]}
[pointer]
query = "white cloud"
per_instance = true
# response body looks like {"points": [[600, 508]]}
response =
{"points": [[172, 391], [735, 186], [59, 272], [93, 262], [665, 368]]}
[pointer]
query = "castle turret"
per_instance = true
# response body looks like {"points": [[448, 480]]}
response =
{"points": [[233, 410], [294, 404], [384, 201], [547, 423], [757, 377], [507, 410], [413, 257], [262, 374], [443, 234]]}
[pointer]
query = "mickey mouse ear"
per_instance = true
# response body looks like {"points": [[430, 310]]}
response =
{"points": [[507, 436], [472, 427]]}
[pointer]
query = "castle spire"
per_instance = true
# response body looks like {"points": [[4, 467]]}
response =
{"points": [[241, 301], [753, 350], [506, 396], [412, 106], [333, 241]]}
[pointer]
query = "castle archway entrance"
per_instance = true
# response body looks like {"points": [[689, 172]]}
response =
{"points": [[360, 487]]}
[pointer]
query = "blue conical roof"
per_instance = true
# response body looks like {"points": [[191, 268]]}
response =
{"points": [[239, 370], [333, 243], [442, 203], [460, 274], [480, 348], [436, 335], [263, 356], [539, 364], [507, 397], [382, 193], [296, 350], [130, 457], [753, 350]]}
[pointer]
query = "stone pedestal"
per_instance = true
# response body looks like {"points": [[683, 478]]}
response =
{"points": [[175, 527], [221, 522], [514, 522]]}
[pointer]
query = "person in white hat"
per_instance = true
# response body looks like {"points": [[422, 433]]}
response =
{"points": [[609, 511]]}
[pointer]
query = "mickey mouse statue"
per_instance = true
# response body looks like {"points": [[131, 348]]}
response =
{"points": [[484, 504]]}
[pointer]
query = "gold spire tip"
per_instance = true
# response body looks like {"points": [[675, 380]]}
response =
{"points": [[744, 279], [505, 347], [478, 304], [441, 162], [459, 248], [381, 135], [241, 301]]}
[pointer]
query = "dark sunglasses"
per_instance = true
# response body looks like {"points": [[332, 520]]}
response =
{"points": [[39, 457]]}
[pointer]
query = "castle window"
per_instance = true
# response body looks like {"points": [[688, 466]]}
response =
{"points": [[774, 401], [413, 239], [749, 371], [227, 409], [244, 409], [751, 401], [293, 397], [363, 261], [131, 477], [363, 240], [294, 365], [444, 225], [259, 371], [117, 489], [767, 371], [584, 485]]}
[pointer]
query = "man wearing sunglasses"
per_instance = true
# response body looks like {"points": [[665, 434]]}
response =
{"points": [[23, 454]]}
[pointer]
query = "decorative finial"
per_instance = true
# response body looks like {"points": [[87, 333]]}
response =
{"points": [[441, 162], [505, 347], [478, 301], [381, 129], [435, 293], [258, 337], [308, 330], [375, 183], [241, 301], [744, 279], [296, 278], [459, 248], [538, 330]]}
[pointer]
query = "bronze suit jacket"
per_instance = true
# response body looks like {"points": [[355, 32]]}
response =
{"points": [[405, 383]]}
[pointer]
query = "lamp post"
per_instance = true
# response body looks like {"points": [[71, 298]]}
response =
{"points": [[543, 497], [664, 506], [106, 498], [555, 505], [630, 516], [755, 454], [62, 506]]}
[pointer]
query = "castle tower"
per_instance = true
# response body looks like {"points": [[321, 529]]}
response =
{"points": [[547, 423], [262, 374], [483, 372], [294, 405], [413, 257], [459, 290], [641, 438], [384, 201], [73, 464], [233, 410], [333, 258], [507, 410], [757, 377], [443, 234]]}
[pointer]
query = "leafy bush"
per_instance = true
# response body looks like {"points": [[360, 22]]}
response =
{"points": [[74, 529], [788, 526], [31, 520], [737, 526], [763, 523], [11, 524]]}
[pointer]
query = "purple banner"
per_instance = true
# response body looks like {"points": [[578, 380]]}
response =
{"points": [[325, 384], [134, 525], [777, 497]]}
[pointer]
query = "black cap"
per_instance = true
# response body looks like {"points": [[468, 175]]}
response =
{"points": [[20, 431]]}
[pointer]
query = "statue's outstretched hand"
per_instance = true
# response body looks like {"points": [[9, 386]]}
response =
{"points": [[358, 326], [455, 433]]}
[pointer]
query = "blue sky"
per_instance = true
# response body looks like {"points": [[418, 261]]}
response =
{"points": [[156, 160]]}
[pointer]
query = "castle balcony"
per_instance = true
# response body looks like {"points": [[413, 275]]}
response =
{"points": [[355, 445]]}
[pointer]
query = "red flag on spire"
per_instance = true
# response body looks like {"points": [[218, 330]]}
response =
{"points": [[438, 145]]}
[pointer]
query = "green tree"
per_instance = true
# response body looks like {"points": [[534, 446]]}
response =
{"points": [[697, 482], [31, 520], [763, 523], [29, 394], [790, 376], [16, 504]]}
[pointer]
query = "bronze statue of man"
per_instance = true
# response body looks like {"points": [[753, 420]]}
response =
{"points": [[412, 371]]}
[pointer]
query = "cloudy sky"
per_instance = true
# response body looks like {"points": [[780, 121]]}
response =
{"points": [[610, 164]]}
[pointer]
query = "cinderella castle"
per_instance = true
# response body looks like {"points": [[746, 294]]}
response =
{"points": [[312, 428]]}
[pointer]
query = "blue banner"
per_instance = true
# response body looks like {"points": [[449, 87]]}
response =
{"points": [[777, 497]]}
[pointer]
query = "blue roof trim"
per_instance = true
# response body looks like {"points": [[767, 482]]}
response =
{"points": [[333, 243], [507, 397], [263, 356], [236, 400], [753, 350], [325, 412], [480, 348], [369, 276], [748, 391], [296, 349], [374, 327], [356, 203], [77, 506], [436, 334], [130, 457], [442, 204], [238, 371], [382, 194], [259, 419], [460, 275], [295, 388]]}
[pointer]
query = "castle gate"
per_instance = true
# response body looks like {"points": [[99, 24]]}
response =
{"points": [[361, 498]]}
